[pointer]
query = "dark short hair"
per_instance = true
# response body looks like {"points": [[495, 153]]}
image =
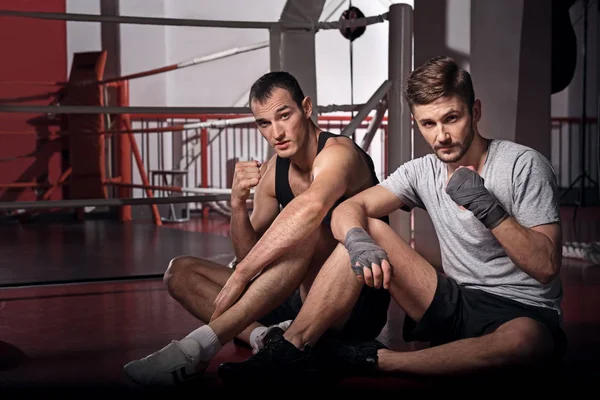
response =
{"points": [[263, 87], [439, 77]]}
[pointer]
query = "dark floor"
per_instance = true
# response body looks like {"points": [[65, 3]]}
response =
{"points": [[58, 250], [80, 335]]}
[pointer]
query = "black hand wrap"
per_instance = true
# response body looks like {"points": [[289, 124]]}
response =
{"points": [[466, 188], [363, 250]]}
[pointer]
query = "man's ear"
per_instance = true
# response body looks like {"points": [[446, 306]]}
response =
{"points": [[476, 111], [307, 107]]}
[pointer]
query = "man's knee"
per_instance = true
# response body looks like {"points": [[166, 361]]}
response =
{"points": [[377, 228], [178, 268], [314, 246], [525, 341]]}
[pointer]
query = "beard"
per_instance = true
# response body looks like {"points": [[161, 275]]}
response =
{"points": [[458, 149]]}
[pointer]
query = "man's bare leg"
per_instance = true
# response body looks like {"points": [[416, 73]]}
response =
{"points": [[519, 342], [413, 285], [195, 283], [190, 285], [275, 284], [329, 302], [336, 289], [196, 286], [414, 280]]}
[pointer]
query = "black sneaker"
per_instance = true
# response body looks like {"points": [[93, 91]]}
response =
{"points": [[278, 362], [348, 358]]}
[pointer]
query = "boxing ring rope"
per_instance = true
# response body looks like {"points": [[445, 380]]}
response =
{"points": [[124, 111], [287, 25], [120, 110], [195, 61], [221, 123], [150, 109], [116, 202]]}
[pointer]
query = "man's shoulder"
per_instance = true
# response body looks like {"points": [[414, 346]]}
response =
{"points": [[425, 165], [426, 161], [336, 139], [270, 163], [510, 147], [341, 146], [342, 156], [268, 167], [513, 152]]}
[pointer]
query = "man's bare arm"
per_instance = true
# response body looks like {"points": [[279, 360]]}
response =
{"points": [[304, 214], [537, 250], [349, 221], [245, 230], [374, 202]]}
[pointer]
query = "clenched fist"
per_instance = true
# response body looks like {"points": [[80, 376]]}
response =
{"points": [[246, 176], [466, 187]]}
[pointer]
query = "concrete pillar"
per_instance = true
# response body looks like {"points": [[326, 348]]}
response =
{"points": [[298, 46], [511, 70]]}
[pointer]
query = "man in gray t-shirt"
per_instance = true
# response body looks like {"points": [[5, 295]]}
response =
{"points": [[494, 206], [523, 182]]}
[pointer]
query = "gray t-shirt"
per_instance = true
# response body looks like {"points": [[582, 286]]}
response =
{"points": [[523, 182]]}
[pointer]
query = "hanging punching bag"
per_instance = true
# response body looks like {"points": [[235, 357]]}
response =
{"points": [[564, 45], [353, 33]]}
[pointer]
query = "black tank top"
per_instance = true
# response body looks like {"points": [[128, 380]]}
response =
{"points": [[283, 191]]}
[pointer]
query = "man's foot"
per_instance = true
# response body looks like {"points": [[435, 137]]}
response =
{"points": [[259, 335], [278, 362], [169, 366], [347, 358]]}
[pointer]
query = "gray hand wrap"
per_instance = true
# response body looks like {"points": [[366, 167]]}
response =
{"points": [[363, 250], [466, 188]]}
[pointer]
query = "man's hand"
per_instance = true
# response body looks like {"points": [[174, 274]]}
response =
{"points": [[233, 289], [367, 259], [466, 189], [245, 177]]}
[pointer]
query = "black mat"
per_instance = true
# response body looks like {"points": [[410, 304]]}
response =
{"points": [[60, 252]]}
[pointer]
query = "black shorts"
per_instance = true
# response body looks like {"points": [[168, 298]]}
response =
{"points": [[366, 321], [459, 313]]}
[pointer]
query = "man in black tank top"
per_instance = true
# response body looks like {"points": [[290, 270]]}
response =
{"points": [[282, 185], [284, 251]]}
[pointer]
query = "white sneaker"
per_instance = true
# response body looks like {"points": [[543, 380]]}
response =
{"points": [[582, 251], [169, 366]]}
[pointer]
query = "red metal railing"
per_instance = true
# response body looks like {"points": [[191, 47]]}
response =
{"points": [[209, 154]]}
